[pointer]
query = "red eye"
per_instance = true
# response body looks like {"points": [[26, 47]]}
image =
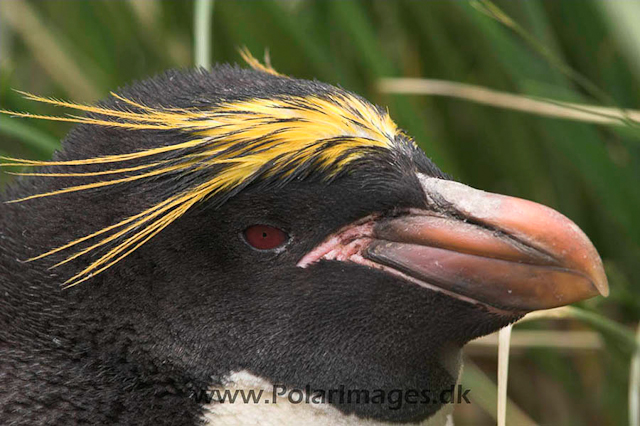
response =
{"points": [[265, 237]]}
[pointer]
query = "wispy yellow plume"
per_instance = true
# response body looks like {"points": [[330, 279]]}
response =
{"points": [[233, 144], [255, 64]]}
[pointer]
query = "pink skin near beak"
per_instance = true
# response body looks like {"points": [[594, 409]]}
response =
{"points": [[499, 251]]}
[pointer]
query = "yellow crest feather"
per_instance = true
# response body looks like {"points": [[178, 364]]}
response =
{"points": [[242, 140], [255, 64]]}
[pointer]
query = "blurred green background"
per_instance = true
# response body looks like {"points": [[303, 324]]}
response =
{"points": [[80, 50]]}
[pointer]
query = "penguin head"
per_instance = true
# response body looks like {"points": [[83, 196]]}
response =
{"points": [[203, 223]]}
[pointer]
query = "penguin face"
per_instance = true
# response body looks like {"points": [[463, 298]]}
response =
{"points": [[217, 304]]}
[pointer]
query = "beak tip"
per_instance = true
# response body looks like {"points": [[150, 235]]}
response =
{"points": [[601, 283], [594, 269]]}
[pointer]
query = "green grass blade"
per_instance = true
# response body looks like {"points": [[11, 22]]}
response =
{"points": [[203, 21], [28, 135], [634, 385], [23, 18], [618, 332], [484, 393]]}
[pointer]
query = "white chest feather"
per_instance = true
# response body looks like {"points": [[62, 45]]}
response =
{"points": [[258, 408]]}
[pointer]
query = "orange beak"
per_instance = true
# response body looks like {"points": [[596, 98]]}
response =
{"points": [[501, 251]]}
